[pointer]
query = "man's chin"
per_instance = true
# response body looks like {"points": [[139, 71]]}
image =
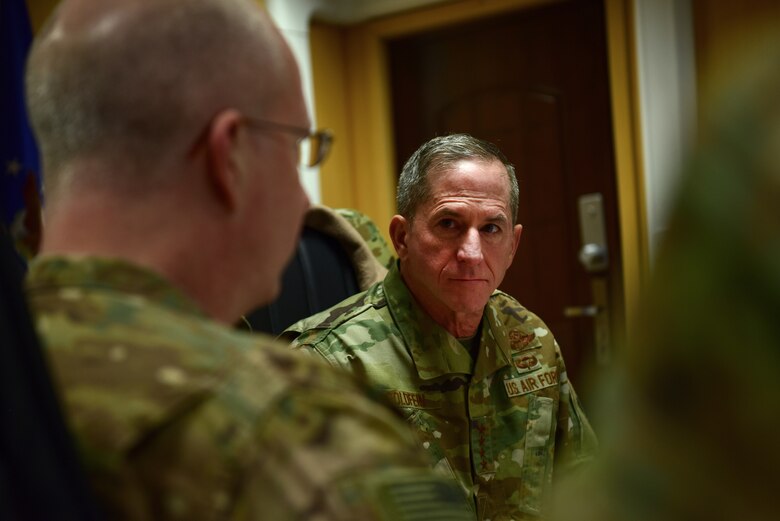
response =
{"points": [[470, 292], [469, 304]]}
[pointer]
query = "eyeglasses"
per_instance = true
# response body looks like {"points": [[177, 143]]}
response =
{"points": [[313, 146]]}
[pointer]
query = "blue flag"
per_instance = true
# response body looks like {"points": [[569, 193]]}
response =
{"points": [[20, 181]]}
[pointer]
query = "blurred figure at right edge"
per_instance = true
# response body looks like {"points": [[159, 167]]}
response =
{"points": [[695, 412]]}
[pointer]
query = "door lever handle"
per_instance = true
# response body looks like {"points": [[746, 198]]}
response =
{"points": [[580, 311], [593, 257]]}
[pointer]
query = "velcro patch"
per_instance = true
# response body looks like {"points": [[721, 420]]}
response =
{"points": [[519, 340], [526, 362], [424, 499]]}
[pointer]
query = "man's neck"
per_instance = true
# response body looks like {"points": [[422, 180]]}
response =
{"points": [[457, 324], [143, 236]]}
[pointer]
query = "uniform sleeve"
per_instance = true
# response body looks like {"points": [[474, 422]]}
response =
{"points": [[283, 437], [303, 333], [576, 442], [313, 343], [330, 454], [292, 335]]}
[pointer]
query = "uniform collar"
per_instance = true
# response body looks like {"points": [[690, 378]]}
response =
{"points": [[72, 273], [494, 349], [435, 352]]}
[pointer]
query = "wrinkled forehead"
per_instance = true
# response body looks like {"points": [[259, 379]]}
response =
{"points": [[472, 174], [481, 183]]}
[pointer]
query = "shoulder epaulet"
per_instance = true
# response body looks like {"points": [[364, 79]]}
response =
{"points": [[373, 297], [510, 306], [502, 298]]}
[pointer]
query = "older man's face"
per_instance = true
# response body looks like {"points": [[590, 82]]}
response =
{"points": [[461, 241]]}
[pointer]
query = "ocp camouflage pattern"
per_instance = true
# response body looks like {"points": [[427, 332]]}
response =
{"points": [[502, 426], [371, 234], [178, 417]]}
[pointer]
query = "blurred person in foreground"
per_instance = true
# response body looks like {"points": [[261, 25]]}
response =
{"points": [[170, 135], [479, 377], [694, 414]]}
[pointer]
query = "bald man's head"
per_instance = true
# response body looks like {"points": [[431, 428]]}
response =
{"points": [[130, 81]]}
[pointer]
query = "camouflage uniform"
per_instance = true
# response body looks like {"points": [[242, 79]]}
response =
{"points": [[356, 237], [178, 417], [370, 233], [500, 425]]}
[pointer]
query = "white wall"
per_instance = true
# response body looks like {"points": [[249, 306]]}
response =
{"points": [[667, 92], [292, 18]]}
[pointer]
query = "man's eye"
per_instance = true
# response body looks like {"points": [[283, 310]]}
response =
{"points": [[447, 224], [491, 228]]}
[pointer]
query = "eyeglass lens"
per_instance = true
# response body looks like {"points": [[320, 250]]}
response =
{"points": [[314, 148]]}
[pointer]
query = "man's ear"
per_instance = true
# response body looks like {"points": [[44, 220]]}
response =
{"points": [[517, 231], [399, 232], [226, 164]]}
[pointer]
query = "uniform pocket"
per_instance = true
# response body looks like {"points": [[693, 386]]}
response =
{"points": [[538, 453]]}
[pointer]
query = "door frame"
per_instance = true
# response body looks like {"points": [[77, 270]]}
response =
{"points": [[366, 118]]}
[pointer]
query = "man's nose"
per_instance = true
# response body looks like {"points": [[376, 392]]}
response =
{"points": [[470, 249]]}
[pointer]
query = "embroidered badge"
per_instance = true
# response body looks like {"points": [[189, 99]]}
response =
{"points": [[518, 340], [527, 384], [525, 362]]}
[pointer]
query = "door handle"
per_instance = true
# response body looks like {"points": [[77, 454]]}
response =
{"points": [[594, 257], [599, 312]]}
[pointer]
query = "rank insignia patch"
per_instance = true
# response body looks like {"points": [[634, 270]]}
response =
{"points": [[525, 362], [518, 340]]}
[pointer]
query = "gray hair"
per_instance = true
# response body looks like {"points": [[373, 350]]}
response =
{"points": [[441, 152], [137, 89]]}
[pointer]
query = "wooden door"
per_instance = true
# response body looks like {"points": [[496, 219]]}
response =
{"points": [[535, 83]]}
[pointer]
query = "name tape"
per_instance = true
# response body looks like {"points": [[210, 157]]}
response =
{"points": [[410, 400]]}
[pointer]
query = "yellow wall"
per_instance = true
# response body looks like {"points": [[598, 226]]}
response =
{"points": [[328, 59], [630, 181]]}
